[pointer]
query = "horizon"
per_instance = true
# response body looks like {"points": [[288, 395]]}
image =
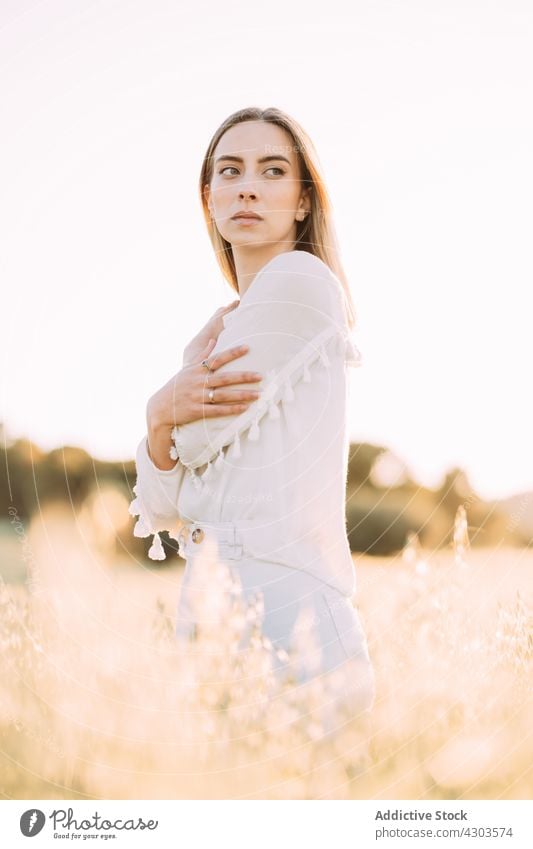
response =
{"points": [[433, 217]]}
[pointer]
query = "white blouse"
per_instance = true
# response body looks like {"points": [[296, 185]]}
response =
{"points": [[281, 465]]}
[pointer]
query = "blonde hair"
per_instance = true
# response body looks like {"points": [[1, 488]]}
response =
{"points": [[315, 234]]}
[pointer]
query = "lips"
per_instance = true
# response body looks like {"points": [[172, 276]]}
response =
{"points": [[251, 215]]}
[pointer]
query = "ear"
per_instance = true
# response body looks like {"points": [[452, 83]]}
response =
{"points": [[305, 199], [207, 195], [304, 205]]}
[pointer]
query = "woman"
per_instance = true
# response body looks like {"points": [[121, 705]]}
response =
{"points": [[262, 474]]}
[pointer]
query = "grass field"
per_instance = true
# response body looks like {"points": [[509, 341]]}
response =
{"points": [[98, 701]]}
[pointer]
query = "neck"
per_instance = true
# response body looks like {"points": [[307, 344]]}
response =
{"points": [[250, 260]]}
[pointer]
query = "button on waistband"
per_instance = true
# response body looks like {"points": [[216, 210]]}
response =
{"points": [[227, 540]]}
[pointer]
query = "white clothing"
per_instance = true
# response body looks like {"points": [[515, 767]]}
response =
{"points": [[268, 485], [313, 629], [282, 463]]}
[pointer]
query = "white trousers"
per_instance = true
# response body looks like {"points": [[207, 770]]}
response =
{"points": [[317, 629]]}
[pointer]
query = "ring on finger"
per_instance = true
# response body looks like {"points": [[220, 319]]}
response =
{"points": [[206, 365], [211, 395]]}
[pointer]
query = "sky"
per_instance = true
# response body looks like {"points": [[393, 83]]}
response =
{"points": [[421, 116]]}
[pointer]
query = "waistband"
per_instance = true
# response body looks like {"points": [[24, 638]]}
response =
{"points": [[330, 564], [233, 540]]}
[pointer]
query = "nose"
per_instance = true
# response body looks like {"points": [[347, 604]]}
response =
{"points": [[247, 194]]}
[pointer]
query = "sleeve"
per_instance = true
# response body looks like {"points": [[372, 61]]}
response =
{"points": [[156, 500], [287, 317]]}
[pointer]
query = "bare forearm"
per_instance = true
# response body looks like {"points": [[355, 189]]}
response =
{"points": [[159, 441]]}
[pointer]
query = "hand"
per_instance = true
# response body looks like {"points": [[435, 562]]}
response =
{"points": [[185, 397], [211, 331]]}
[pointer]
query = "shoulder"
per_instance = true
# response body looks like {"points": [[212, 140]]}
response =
{"points": [[298, 262], [297, 277]]}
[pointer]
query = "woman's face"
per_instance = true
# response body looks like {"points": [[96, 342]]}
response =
{"points": [[255, 169]]}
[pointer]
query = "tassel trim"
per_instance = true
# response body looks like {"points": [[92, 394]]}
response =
{"points": [[143, 528], [278, 388], [352, 354]]}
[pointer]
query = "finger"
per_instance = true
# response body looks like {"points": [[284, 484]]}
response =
{"points": [[208, 348], [227, 307], [228, 378], [211, 411], [227, 356], [229, 396]]}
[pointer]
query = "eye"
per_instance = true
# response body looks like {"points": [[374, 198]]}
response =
{"points": [[272, 168]]}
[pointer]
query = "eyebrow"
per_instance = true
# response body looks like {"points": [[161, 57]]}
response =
{"points": [[230, 158]]}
